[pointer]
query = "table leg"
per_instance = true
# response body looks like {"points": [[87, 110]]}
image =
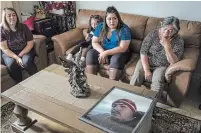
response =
{"points": [[23, 122]]}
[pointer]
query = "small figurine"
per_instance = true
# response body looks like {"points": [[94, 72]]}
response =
{"points": [[77, 77]]}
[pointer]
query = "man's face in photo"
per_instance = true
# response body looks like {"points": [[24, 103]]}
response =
{"points": [[121, 112]]}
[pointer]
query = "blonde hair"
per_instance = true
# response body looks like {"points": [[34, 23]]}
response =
{"points": [[4, 22]]}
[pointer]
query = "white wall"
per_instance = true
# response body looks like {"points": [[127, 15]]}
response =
{"points": [[27, 6], [188, 10], [4, 4]]}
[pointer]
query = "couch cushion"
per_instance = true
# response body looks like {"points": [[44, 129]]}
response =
{"points": [[136, 23], [191, 53], [130, 66], [152, 24], [4, 70], [135, 45], [84, 15], [191, 33]]}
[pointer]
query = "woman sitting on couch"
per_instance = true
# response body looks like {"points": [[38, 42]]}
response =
{"points": [[16, 45], [160, 48], [110, 42]]}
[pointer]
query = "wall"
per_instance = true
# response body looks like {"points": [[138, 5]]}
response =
{"points": [[27, 6], [20, 6], [13, 4], [4, 4], [188, 10]]}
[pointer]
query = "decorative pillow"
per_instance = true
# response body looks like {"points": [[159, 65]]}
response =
{"points": [[30, 23]]}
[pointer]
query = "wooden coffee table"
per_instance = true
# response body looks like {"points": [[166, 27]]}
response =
{"points": [[47, 93]]}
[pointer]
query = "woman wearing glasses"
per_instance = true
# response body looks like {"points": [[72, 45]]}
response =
{"points": [[160, 48], [16, 45]]}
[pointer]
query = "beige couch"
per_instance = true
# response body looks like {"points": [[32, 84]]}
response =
{"points": [[178, 75], [40, 60]]}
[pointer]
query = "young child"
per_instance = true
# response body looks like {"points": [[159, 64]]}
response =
{"points": [[86, 45]]}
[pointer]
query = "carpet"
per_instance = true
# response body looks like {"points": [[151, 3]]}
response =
{"points": [[7, 117], [164, 121]]}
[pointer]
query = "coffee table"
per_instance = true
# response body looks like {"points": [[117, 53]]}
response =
{"points": [[47, 93]]}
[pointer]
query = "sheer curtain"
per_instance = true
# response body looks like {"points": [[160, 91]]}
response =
{"points": [[13, 4]]}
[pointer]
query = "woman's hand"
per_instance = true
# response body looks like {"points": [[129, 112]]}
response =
{"points": [[96, 44], [165, 42], [148, 75], [19, 61], [103, 57], [20, 55]]}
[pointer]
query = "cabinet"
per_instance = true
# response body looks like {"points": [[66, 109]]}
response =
{"points": [[47, 28], [61, 17], [62, 12], [63, 22]]}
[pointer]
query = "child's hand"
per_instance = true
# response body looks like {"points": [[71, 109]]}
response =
{"points": [[92, 33], [87, 38]]}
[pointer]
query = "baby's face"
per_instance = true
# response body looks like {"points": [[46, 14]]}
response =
{"points": [[94, 23]]}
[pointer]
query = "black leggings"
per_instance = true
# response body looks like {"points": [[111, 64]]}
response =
{"points": [[116, 61], [15, 69], [83, 44]]}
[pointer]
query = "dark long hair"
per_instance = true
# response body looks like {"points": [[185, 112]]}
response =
{"points": [[98, 18], [105, 29], [5, 23]]}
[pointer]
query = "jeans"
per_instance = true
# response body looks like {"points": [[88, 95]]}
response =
{"points": [[158, 77], [116, 61], [15, 70]]}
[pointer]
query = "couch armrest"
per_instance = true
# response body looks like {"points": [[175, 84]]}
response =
{"points": [[38, 41], [66, 40], [186, 65], [40, 49]]}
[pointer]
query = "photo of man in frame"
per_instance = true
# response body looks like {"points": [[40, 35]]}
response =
{"points": [[120, 111], [122, 118]]}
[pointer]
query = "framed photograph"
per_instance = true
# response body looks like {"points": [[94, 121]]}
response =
{"points": [[120, 111]]}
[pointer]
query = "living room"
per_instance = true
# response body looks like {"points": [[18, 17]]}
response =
{"points": [[183, 10]]}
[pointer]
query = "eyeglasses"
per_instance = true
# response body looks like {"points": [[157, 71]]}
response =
{"points": [[168, 29]]}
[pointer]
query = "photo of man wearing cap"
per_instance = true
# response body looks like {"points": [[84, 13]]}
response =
{"points": [[123, 117], [120, 111]]}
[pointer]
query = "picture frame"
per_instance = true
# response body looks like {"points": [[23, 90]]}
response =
{"points": [[121, 110]]}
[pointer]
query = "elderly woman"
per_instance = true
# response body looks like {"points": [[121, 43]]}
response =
{"points": [[160, 48], [110, 42], [16, 45]]}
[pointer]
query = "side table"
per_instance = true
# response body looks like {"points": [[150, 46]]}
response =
{"points": [[196, 77]]}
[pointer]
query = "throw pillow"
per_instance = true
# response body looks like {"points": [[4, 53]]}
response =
{"points": [[30, 23]]}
